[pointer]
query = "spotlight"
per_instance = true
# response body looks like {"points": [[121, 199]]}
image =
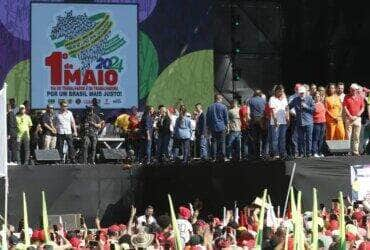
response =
{"points": [[235, 45], [235, 21], [237, 73]]}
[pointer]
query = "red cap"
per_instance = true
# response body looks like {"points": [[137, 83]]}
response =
{"points": [[184, 213], [358, 215], [350, 237], [75, 242], [122, 227], [114, 228], [333, 225]]}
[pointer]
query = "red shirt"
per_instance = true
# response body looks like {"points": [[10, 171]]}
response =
{"points": [[354, 104], [319, 113], [243, 114], [268, 111]]}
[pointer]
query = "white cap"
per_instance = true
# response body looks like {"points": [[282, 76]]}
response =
{"points": [[301, 89], [354, 86]]}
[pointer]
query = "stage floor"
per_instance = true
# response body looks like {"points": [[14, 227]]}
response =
{"points": [[109, 190]]}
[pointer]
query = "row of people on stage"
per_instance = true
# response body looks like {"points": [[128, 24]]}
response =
{"points": [[280, 126], [50, 130]]}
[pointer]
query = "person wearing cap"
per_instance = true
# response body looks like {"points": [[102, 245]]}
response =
{"points": [[185, 228], [91, 125], [304, 107], [354, 106], [334, 121], [66, 129], [278, 105], [50, 132], [24, 124]]}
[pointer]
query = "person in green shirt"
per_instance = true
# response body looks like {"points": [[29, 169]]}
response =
{"points": [[24, 124]]}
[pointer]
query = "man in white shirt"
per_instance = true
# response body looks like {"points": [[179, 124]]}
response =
{"points": [[65, 123], [340, 91], [148, 218], [185, 228], [278, 122]]}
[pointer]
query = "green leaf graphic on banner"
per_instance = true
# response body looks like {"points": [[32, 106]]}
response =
{"points": [[18, 80], [189, 78], [148, 65]]}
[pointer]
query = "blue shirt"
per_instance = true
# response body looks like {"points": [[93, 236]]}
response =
{"points": [[217, 117], [304, 108], [257, 106], [183, 128], [147, 125]]}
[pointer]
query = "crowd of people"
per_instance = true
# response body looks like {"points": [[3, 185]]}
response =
{"points": [[200, 231], [274, 125]]}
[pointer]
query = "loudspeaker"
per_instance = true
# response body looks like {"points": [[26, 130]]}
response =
{"points": [[339, 146], [110, 154], [70, 221], [51, 155]]}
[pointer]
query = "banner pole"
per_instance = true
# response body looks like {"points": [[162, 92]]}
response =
{"points": [[6, 191], [290, 184], [6, 181]]}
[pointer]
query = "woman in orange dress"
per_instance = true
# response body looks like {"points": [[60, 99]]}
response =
{"points": [[334, 121]]}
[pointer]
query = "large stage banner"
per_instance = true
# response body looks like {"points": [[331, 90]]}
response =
{"points": [[360, 182], [84, 51]]}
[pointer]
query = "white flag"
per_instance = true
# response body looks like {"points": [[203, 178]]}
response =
{"points": [[271, 220], [3, 134]]}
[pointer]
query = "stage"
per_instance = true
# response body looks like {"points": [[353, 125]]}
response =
{"points": [[109, 190]]}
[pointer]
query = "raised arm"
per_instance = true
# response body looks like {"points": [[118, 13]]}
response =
{"points": [[73, 124]]}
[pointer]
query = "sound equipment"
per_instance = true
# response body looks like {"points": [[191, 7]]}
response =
{"points": [[110, 154], [51, 155], [70, 221], [339, 146]]}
